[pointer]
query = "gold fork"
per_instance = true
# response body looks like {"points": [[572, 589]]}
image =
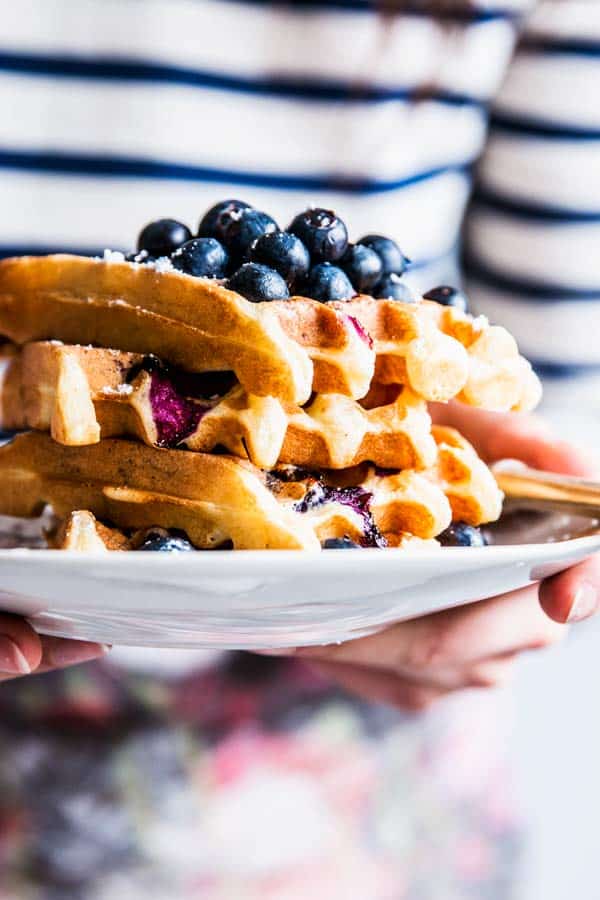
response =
{"points": [[546, 489]]}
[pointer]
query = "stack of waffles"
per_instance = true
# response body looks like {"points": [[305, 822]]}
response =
{"points": [[152, 400]]}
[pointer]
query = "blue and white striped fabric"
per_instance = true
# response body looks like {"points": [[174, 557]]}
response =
{"points": [[534, 231], [116, 112]]}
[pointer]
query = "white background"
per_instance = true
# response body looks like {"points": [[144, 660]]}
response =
{"points": [[557, 736]]}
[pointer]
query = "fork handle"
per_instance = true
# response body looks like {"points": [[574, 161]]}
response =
{"points": [[538, 488]]}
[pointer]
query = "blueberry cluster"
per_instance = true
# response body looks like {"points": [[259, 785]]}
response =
{"points": [[312, 257]]}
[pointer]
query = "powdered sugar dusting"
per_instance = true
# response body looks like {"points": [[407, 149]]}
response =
{"points": [[163, 265], [113, 256]]}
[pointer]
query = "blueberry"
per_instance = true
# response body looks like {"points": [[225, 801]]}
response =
{"points": [[461, 535], [391, 287], [340, 544], [326, 282], [324, 235], [241, 232], [316, 495], [362, 266], [283, 252], [160, 238], [256, 282], [165, 542], [204, 257], [219, 217], [448, 296], [392, 258]]}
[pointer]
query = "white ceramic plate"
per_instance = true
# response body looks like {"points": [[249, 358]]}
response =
{"points": [[254, 599]]}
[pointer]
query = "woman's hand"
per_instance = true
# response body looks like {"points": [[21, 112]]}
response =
{"points": [[572, 595], [24, 652], [414, 663]]}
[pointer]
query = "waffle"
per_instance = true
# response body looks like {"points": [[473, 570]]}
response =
{"points": [[467, 482], [284, 349], [499, 379], [442, 352], [81, 531], [159, 400], [214, 498], [193, 323], [81, 394]]}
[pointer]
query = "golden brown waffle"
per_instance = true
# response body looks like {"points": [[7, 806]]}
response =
{"points": [[81, 531], [499, 378], [337, 391], [458, 487], [282, 349], [119, 478], [194, 323], [81, 394], [335, 432], [443, 353], [410, 348], [465, 479], [215, 498], [212, 498]]}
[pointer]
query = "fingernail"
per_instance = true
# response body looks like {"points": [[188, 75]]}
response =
{"points": [[11, 657], [585, 603], [278, 651], [68, 653]]}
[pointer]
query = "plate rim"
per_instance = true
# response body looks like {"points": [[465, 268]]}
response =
{"points": [[210, 563]]}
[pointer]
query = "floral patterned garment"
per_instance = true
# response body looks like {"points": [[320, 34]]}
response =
{"points": [[252, 780]]}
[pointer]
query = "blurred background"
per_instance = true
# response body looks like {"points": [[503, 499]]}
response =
{"points": [[556, 746]]}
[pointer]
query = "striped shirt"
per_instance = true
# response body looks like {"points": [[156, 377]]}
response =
{"points": [[117, 112], [534, 229]]}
